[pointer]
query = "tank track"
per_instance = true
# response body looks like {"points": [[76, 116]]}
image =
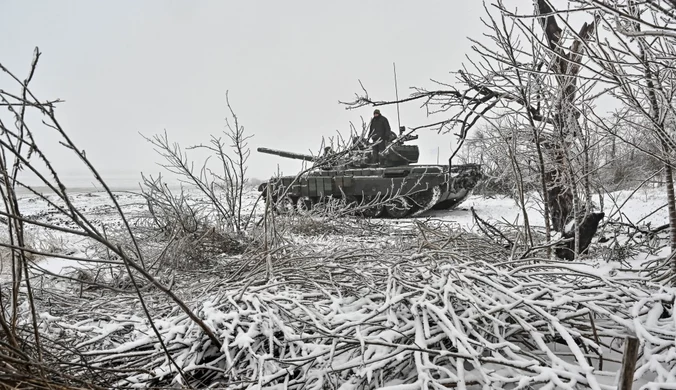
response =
{"points": [[395, 208]]}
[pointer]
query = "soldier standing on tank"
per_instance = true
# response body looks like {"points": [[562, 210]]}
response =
{"points": [[380, 133]]}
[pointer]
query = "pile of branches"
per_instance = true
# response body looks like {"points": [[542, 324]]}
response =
{"points": [[442, 310]]}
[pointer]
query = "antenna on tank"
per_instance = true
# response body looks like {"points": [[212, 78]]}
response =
{"points": [[396, 94]]}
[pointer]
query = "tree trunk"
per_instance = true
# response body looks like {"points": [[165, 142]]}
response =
{"points": [[559, 194], [671, 203], [566, 67]]}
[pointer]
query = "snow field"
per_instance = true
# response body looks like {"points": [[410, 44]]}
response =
{"points": [[378, 304]]}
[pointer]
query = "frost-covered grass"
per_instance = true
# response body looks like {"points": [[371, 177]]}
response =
{"points": [[346, 303]]}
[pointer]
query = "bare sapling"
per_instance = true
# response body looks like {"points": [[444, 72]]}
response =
{"points": [[224, 186]]}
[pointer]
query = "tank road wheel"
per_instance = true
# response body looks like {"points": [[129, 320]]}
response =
{"points": [[285, 205], [425, 200], [374, 211], [305, 205], [398, 207]]}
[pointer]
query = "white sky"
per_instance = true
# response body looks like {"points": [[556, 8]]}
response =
{"points": [[130, 67]]}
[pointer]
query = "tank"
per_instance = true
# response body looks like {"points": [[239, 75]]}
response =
{"points": [[392, 184]]}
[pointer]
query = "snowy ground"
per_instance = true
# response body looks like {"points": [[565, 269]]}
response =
{"points": [[97, 207], [643, 207], [640, 208]]}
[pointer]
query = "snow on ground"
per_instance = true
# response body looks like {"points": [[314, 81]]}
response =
{"points": [[645, 206], [97, 207], [640, 207]]}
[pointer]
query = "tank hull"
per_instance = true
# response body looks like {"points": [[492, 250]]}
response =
{"points": [[396, 192]]}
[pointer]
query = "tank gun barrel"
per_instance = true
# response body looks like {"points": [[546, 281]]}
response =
{"points": [[281, 153]]}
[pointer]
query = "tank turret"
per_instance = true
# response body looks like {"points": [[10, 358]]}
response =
{"points": [[358, 155]]}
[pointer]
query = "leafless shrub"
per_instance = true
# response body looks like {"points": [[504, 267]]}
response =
{"points": [[215, 220], [172, 213], [224, 188], [25, 354]]}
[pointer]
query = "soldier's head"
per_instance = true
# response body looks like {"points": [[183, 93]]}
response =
{"points": [[376, 112]]}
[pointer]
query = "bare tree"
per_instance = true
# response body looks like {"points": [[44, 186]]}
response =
{"points": [[628, 49], [534, 78], [639, 58]]}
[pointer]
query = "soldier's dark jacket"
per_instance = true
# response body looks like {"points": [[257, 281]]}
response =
{"points": [[380, 128]]}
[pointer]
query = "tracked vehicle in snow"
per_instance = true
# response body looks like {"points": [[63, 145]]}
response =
{"points": [[395, 186]]}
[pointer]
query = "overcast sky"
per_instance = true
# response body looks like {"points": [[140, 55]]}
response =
{"points": [[130, 67]]}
